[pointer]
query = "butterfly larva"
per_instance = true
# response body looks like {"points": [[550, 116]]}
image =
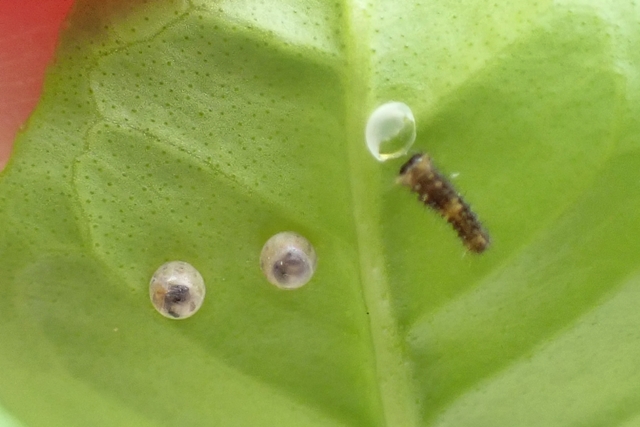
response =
{"points": [[435, 191], [288, 260]]}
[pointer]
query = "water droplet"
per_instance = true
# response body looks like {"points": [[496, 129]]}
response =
{"points": [[390, 131], [177, 290], [288, 260]]}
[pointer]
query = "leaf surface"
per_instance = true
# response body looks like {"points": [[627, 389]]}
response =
{"points": [[195, 131]]}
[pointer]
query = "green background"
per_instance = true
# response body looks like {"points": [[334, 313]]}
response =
{"points": [[196, 130]]}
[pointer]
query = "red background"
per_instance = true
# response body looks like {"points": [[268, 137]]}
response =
{"points": [[28, 36]]}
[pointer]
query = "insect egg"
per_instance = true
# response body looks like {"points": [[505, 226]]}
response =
{"points": [[177, 290], [288, 260], [390, 131]]}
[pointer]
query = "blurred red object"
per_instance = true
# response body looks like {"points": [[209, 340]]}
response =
{"points": [[28, 35]]}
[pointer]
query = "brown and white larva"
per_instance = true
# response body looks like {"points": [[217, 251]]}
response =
{"points": [[435, 191], [288, 260], [177, 290]]}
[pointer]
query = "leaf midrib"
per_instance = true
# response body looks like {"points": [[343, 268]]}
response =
{"points": [[392, 370]]}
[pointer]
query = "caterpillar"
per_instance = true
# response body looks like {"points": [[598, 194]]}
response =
{"points": [[435, 191]]}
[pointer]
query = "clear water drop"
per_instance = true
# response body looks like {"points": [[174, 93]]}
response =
{"points": [[288, 260], [177, 290], [390, 131]]}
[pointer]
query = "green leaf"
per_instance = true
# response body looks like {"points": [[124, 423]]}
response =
{"points": [[195, 131]]}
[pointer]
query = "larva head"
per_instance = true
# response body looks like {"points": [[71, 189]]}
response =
{"points": [[417, 167], [288, 260], [177, 290]]}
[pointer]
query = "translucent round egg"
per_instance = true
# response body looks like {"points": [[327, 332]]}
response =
{"points": [[288, 260], [390, 131], [177, 290]]}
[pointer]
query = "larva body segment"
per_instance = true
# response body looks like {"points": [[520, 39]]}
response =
{"points": [[435, 191]]}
